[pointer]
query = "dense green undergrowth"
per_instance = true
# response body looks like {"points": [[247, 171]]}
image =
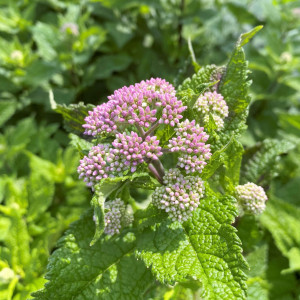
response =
{"points": [[83, 51]]}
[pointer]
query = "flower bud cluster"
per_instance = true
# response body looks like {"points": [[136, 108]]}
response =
{"points": [[127, 153], [99, 120], [214, 104], [251, 197], [93, 167], [190, 142], [116, 217], [180, 196], [131, 150], [142, 104]]}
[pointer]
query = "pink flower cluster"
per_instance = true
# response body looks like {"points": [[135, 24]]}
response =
{"points": [[93, 167], [180, 196], [127, 153], [214, 104], [190, 142], [142, 104], [116, 217], [251, 198]]}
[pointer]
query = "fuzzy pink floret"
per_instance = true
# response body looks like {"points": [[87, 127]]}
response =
{"points": [[142, 104], [190, 142]]}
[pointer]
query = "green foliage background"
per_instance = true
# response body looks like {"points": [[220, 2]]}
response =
{"points": [[119, 43]]}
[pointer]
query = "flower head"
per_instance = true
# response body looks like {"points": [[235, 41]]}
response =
{"points": [[180, 196], [251, 197], [125, 154], [130, 150], [214, 104], [142, 104], [116, 216], [94, 167], [99, 120], [190, 142]]}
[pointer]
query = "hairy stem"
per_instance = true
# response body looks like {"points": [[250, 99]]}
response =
{"points": [[159, 167], [152, 128], [140, 130], [154, 171]]}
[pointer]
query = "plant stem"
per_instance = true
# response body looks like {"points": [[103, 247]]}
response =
{"points": [[140, 130], [159, 167], [151, 130], [156, 174]]}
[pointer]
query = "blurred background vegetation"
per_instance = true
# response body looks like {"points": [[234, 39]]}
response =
{"points": [[82, 51]]}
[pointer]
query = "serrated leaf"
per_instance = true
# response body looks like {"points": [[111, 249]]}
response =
{"points": [[283, 221], [79, 271], [18, 238], [205, 248], [73, 115], [40, 194], [80, 144], [7, 109], [102, 191], [246, 37], [259, 167]]}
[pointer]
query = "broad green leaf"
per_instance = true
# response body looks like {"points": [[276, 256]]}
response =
{"points": [[79, 271], [246, 37], [40, 193], [233, 162], [102, 191], [73, 115], [17, 241], [234, 88], [46, 38], [205, 248], [105, 65], [259, 168], [281, 286], [193, 87], [257, 284], [283, 221], [216, 160], [7, 109], [39, 72], [80, 144]]}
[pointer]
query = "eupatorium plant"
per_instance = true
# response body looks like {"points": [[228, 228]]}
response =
{"points": [[163, 164]]}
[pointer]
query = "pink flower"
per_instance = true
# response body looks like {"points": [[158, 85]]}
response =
{"points": [[190, 142]]}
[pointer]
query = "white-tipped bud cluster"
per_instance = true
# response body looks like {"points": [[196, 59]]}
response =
{"points": [[116, 217], [251, 197], [190, 142], [180, 196], [214, 104]]}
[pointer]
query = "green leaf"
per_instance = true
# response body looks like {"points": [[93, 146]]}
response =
{"points": [[283, 221], [105, 65], [259, 167], [205, 248], [193, 87], [40, 193], [234, 87], [102, 191], [18, 238], [79, 271], [257, 284], [246, 37], [39, 72], [46, 38], [73, 114], [80, 144], [6, 85]]}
